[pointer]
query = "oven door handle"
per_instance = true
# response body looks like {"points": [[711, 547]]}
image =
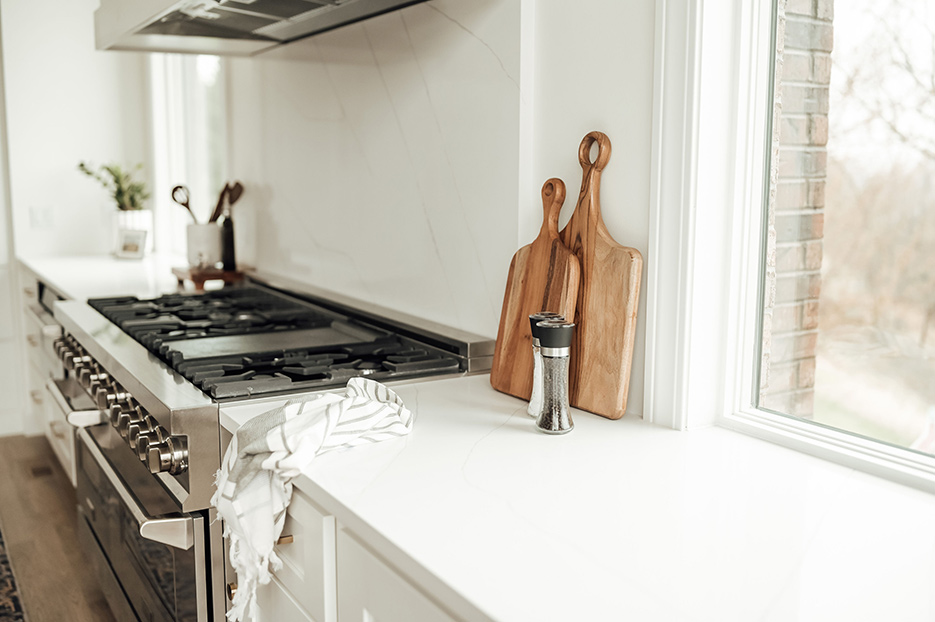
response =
{"points": [[77, 418], [177, 531]]}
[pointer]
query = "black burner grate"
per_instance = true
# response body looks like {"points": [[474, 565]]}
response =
{"points": [[245, 341]]}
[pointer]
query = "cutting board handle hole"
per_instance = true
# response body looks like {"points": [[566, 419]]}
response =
{"points": [[594, 151]]}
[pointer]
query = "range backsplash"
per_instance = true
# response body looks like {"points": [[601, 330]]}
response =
{"points": [[364, 177]]}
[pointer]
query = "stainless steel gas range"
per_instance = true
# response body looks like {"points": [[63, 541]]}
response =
{"points": [[158, 369]]}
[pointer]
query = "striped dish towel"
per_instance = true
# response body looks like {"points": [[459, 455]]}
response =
{"points": [[254, 485]]}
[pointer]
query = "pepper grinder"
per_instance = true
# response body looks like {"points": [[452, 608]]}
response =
{"points": [[535, 400], [555, 346]]}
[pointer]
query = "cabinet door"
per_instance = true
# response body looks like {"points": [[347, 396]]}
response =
{"points": [[275, 604], [303, 589], [307, 554], [371, 591]]}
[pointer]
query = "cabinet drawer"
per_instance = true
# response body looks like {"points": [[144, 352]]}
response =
{"points": [[276, 604], [308, 571], [371, 591], [41, 330], [61, 436], [38, 399]]}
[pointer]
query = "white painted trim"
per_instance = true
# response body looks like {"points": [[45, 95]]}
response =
{"points": [[863, 454], [672, 199], [754, 112], [703, 117], [526, 187]]}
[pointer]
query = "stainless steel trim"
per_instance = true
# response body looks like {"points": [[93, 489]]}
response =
{"points": [[85, 418], [178, 405], [201, 570], [77, 418], [555, 352], [176, 531], [218, 569], [463, 343], [97, 562], [139, 372]]}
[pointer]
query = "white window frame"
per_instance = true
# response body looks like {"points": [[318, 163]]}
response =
{"points": [[709, 179]]}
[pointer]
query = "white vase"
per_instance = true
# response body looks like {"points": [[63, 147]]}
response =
{"points": [[132, 220]]}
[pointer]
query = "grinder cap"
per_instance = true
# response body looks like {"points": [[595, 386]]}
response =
{"points": [[555, 333], [535, 318]]}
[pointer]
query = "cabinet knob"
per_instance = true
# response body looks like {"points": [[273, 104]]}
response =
{"points": [[231, 590]]}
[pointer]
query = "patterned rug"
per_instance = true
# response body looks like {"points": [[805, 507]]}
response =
{"points": [[11, 609]]}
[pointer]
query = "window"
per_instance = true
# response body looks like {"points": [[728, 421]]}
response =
{"points": [[189, 138], [748, 326], [850, 302]]}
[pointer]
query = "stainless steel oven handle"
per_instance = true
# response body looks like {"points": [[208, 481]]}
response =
{"points": [[177, 531], [77, 418]]}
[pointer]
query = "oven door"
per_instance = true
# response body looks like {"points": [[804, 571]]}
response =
{"points": [[150, 557]]}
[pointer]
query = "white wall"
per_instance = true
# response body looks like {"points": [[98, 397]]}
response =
{"points": [[380, 160], [400, 160], [593, 70], [66, 102]]}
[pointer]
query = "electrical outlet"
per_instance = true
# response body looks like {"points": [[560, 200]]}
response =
{"points": [[42, 217]]}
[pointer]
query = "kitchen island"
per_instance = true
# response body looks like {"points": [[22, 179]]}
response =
{"points": [[618, 520]]}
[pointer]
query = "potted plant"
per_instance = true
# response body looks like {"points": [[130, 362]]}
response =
{"points": [[132, 221]]}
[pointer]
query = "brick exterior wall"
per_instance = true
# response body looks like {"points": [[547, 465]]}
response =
{"points": [[796, 210]]}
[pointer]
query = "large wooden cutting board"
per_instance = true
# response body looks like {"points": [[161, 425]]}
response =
{"points": [[543, 277], [608, 295]]}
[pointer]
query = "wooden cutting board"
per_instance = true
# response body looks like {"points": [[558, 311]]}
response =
{"points": [[543, 277], [608, 295]]}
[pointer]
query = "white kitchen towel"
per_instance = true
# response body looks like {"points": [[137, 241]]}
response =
{"points": [[254, 485]]}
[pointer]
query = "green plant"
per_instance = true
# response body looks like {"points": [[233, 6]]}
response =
{"points": [[128, 194]]}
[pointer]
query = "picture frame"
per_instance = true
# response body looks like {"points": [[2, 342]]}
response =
{"points": [[131, 243]]}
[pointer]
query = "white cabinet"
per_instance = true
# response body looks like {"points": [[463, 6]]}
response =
{"points": [[369, 590], [46, 409], [276, 604], [329, 575], [304, 588]]}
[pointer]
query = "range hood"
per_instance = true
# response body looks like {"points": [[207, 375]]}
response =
{"points": [[228, 27]]}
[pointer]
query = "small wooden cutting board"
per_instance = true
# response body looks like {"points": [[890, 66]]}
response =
{"points": [[543, 277], [608, 295]]}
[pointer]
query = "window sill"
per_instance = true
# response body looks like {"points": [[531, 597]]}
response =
{"points": [[856, 452]]}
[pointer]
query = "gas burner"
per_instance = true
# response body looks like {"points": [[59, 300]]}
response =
{"points": [[241, 342]]}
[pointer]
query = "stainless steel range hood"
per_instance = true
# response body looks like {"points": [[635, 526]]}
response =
{"points": [[228, 27]]}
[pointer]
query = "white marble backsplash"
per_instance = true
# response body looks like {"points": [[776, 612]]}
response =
{"points": [[382, 159]]}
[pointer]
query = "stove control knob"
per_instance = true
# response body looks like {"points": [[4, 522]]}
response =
{"points": [[60, 346], [142, 448], [139, 431], [115, 411], [77, 360], [170, 456], [145, 439], [108, 396], [125, 420], [134, 428], [95, 384], [91, 374], [67, 352], [127, 407]]}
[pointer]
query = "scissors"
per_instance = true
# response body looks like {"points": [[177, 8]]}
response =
{"points": [[180, 195]]}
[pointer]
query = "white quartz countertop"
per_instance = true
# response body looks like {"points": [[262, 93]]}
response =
{"points": [[89, 276], [623, 520]]}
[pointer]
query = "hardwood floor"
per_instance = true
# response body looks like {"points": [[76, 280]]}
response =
{"points": [[38, 521]]}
